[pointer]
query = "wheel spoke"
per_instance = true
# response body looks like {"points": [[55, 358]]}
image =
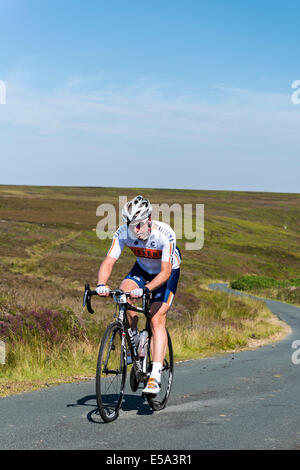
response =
{"points": [[111, 373], [160, 400]]}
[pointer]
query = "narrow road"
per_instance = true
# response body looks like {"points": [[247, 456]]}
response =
{"points": [[248, 400]]}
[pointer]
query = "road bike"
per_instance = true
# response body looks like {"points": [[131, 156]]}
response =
{"points": [[117, 345]]}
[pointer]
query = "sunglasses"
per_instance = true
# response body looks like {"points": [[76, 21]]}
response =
{"points": [[138, 225]]}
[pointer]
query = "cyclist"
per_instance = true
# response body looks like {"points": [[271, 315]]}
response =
{"points": [[157, 265]]}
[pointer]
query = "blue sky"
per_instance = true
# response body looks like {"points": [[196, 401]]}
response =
{"points": [[165, 94]]}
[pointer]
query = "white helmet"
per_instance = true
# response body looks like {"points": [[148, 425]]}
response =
{"points": [[136, 210]]}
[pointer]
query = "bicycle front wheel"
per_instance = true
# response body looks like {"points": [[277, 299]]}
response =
{"points": [[159, 401], [111, 373]]}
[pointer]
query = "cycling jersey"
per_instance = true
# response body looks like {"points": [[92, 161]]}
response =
{"points": [[160, 246]]}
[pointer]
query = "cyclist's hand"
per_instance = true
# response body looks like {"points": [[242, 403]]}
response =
{"points": [[102, 290], [136, 293]]}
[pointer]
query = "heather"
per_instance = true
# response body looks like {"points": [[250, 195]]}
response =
{"points": [[49, 249], [52, 327], [45, 344]]}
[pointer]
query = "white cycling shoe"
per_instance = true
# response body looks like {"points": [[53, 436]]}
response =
{"points": [[152, 388]]}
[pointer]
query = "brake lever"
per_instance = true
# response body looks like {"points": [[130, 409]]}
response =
{"points": [[87, 299]]}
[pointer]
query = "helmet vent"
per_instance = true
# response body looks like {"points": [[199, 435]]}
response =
{"points": [[136, 210]]}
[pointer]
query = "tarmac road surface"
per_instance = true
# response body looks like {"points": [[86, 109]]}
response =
{"points": [[248, 400]]}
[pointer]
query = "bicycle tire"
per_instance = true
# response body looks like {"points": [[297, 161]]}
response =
{"points": [[159, 401], [111, 373], [134, 384]]}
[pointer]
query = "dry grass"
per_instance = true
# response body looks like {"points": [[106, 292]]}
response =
{"points": [[49, 249]]}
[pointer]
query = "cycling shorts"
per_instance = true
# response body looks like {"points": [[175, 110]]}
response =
{"points": [[164, 293]]}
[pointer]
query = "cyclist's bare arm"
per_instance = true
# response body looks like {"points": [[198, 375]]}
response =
{"points": [[106, 269]]}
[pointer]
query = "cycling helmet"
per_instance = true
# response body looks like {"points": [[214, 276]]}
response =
{"points": [[136, 210]]}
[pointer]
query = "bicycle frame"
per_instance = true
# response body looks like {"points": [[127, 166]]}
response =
{"points": [[120, 298], [110, 393]]}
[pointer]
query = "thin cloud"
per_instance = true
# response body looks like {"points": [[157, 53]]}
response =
{"points": [[146, 111]]}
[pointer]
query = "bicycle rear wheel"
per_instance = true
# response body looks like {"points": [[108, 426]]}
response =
{"points": [[111, 373], [159, 401]]}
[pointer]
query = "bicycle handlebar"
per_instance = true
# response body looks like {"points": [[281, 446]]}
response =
{"points": [[88, 294]]}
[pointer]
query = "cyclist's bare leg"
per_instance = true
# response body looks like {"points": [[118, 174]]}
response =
{"points": [[127, 285], [159, 340]]}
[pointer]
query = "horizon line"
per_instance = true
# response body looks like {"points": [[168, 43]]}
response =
{"points": [[148, 188]]}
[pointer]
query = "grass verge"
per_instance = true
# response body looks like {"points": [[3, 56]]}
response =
{"points": [[225, 323], [49, 249], [48, 347]]}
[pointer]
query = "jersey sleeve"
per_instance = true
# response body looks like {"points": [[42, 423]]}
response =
{"points": [[118, 243], [169, 245]]}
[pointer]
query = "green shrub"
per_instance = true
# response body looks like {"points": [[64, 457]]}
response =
{"points": [[251, 282]]}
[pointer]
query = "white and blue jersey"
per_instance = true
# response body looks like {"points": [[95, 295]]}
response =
{"points": [[160, 246]]}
